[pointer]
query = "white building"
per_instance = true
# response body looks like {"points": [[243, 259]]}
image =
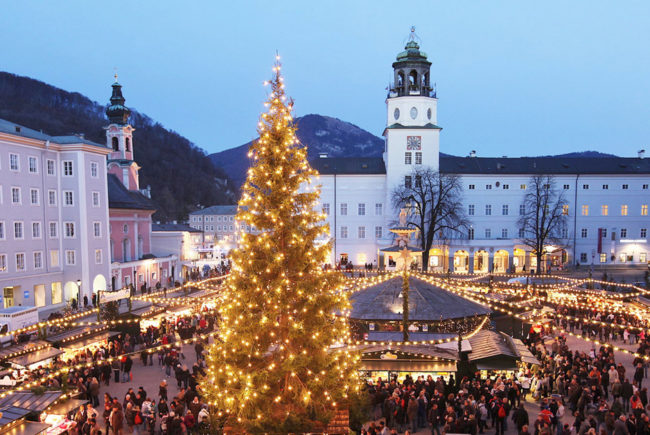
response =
{"points": [[608, 198], [54, 228], [179, 240]]}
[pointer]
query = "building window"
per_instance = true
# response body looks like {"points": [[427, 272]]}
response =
{"points": [[585, 187], [407, 158], [522, 186], [54, 258], [15, 195], [644, 187], [470, 234], [67, 168], [471, 187], [2, 230], [125, 229], [522, 209], [504, 233], [98, 256], [326, 208], [470, 209], [97, 229], [344, 232], [362, 232], [585, 210], [565, 233], [36, 230], [68, 198], [488, 187], [407, 181], [3, 263], [644, 233], [418, 158], [51, 197], [20, 262], [566, 187], [565, 209], [70, 258], [625, 186], [488, 210], [603, 257], [506, 186], [623, 233], [69, 230], [583, 233], [488, 233], [379, 209], [95, 199], [605, 186], [504, 210], [604, 210], [50, 167], [34, 197], [93, 169], [378, 233], [57, 294], [624, 210], [33, 165], [362, 209], [18, 231], [13, 162], [644, 210], [583, 257], [522, 233], [38, 260], [344, 209], [418, 181], [53, 230]]}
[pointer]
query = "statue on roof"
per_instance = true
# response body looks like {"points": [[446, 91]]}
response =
{"points": [[402, 217]]}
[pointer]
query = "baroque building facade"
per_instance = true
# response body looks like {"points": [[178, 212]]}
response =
{"points": [[607, 198]]}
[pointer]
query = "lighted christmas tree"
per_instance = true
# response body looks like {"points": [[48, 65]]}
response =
{"points": [[277, 366]]}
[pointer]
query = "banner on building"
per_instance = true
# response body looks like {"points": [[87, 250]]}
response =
{"points": [[114, 296], [600, 240]]}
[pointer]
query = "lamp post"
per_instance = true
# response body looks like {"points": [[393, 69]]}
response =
{"points": [[78, 292]]}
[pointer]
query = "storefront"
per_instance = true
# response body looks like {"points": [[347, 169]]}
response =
{"points": [[496, 353]]}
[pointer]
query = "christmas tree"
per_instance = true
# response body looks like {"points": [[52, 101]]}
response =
{"points": [[278, 365]]}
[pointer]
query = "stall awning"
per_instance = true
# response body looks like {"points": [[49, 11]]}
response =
{"points": [[10, 414], [28, 428], [84, 342], [7, 352], [64, 407], [33, 358], [71, 333], [497, 363], [524, 353], [30, 401], [404, 365]]}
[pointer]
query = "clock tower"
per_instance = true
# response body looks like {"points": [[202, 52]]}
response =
{"points": [[411, 134]]}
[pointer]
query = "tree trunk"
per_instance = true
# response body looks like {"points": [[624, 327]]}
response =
{"points": [[539, 262], [425, 260]]}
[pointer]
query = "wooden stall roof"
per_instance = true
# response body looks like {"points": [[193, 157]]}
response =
{"points": [[86, 341], [30, 401], [35, 357], [5, 352], [28, 428]]}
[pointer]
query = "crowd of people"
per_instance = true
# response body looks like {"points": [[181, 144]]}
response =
{"points": [[574, 392]]}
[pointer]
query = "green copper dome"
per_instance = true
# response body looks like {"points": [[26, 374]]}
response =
{"points": [[117, 112]]}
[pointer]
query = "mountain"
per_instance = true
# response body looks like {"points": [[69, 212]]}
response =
{"points": [[323, 134], [181, 176], [579, 154]]}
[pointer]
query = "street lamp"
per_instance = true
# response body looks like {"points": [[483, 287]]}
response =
{"points": [[78, 292]]}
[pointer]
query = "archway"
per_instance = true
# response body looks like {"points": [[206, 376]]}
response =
{"points": [[481, 261], [436, 260], [70, 291], [461, 261], [501, 261], [519, 260], [99, 283]]}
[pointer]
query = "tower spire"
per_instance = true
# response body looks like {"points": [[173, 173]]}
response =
{"points": [[117, 112]]}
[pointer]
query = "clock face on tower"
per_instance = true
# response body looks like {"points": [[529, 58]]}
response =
{"points": [[414, 112], [396, 113], [414, 143]]}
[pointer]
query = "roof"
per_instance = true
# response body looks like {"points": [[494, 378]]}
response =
{"points": [[28, 428], [121, 197], [487, 344], [19, 130], [543, 165], [398, 248], [11, 414], [426, 302], [427, 126], [174, 227], [6, 352], [32, 358], [216, 209], [415, 350], [88, 340], [33, 402], [349, 165]]}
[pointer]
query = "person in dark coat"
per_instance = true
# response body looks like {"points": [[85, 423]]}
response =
{"points": [[520, 417], [626, 393]]}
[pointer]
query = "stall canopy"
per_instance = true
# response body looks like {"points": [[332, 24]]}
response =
{"points": [[34, 359], [497, 351], [21, 348], [64, 407], [87, 341], [407, 358], [72, 334], [10, 417], [28, 428], [30, 401]]}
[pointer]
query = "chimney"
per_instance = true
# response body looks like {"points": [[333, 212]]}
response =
{"points": [[322, 155], [641, 154], [472, 153]]}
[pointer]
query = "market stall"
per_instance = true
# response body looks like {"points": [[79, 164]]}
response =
{"points": [[13, 421], [33, 360], [22, 348], [35, 403], [71, 348], [60, 416], [498, 353]]}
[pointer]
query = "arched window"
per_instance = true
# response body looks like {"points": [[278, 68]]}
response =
{"points": [[413, 78], [128, 145], [116, 146], [140, 247], [112, 251], [400, 79], [126, 249]]}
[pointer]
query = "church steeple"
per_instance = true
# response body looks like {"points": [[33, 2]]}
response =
{"points": [[117, 112], [411, 70]]}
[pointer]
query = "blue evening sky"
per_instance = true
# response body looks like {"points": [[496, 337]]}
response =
{"points": [[514, 77]]}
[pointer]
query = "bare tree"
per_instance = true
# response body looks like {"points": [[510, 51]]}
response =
{"points": [[433, 201], [544, 217]]}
